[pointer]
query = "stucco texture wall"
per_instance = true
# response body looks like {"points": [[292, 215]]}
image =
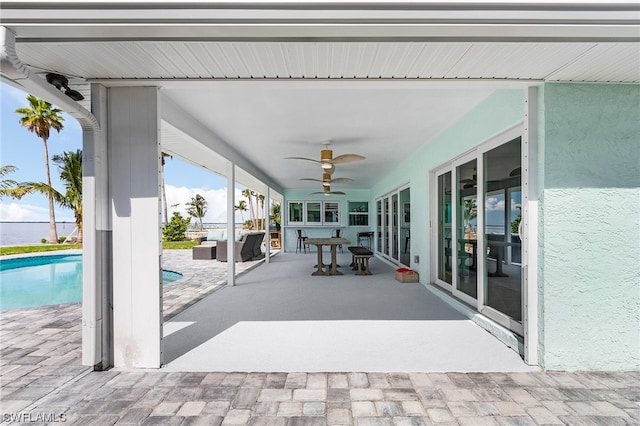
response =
{"points": [[590, 227]]}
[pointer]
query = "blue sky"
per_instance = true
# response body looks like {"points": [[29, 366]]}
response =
{"points": [[23, 149]]}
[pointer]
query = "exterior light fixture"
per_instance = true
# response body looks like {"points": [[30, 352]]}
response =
{"points": [[60, 81], [73, 94]]}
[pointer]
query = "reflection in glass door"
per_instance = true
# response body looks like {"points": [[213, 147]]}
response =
{"points": [[405, 226], [466, 228], [394, 227], [385, 217], [502, 281], [379, 226], [445, 209]]}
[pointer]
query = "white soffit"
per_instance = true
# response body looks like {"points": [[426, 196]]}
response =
{"points": [[178, 144], [594, 62]]}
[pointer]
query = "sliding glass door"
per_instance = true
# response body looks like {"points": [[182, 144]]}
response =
{"points": [[478, 241], [393, 226], [445, 231], [502, 284], [466, 228]]}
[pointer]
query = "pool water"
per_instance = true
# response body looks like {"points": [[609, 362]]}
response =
{"points": [[46, 280]]}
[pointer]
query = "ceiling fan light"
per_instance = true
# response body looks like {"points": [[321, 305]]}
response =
{"points": [[326, 166]]}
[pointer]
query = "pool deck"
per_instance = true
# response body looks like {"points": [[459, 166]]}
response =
{"points": [[42, 379]]}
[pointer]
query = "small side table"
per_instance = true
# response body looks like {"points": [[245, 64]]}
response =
{"points": [[204, 252]]}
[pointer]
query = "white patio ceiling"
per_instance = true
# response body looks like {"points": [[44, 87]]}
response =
{"points": [[274, 82]]}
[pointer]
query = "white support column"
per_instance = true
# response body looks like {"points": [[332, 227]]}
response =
{"points": [[267, 225], [231, 224], [530, 226], [97, 295], [134, 169]]}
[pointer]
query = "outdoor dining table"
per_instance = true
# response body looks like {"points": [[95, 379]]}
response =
{"points": [[333, 243]]}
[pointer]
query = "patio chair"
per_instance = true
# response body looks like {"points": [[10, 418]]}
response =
{"points": [[336, 234], [302, 244]]}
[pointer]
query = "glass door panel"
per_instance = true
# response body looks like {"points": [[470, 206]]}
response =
{"points": [[466, 227], [405, 225], [503, 277], [385, 215], [394, 226], [379, 227], [445, 208]]}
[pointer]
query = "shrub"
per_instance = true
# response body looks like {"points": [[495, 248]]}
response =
{"points": [[61, 240], [175, 229]]}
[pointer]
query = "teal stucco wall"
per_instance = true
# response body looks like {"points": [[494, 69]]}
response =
{"points": [[500, 111], [589, 254]]}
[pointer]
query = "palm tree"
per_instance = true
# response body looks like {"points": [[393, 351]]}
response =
{"points": [[164, 194], [241, 207], [249, 195], [275, 214], [70, 167], [197, 208], [260, 201], [40, 118], [8, 187]]}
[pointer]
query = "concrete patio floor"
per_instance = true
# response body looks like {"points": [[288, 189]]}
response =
{"points": [[43, 382], [280, 318]]}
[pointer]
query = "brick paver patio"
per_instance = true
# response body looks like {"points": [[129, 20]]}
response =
{"points": [[43, 382]]}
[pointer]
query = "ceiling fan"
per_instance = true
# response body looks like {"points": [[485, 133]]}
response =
{"points": [[327, 160], [327, 191], [326, 179]]}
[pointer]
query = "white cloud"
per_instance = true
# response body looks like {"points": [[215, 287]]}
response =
{"points": [[16, 212], [216, 202], [492, 203]]}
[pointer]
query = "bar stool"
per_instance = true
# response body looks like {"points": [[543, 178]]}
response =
{"points": [[336, 234], [301, 244]]}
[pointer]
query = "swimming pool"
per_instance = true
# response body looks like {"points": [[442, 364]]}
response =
{"points": [[27, 282]]}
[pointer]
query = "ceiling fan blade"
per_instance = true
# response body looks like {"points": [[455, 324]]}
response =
{"points": [[329, 193], [317, 180], [341, 180], [347, 158], [301, 158], [516, 172]]}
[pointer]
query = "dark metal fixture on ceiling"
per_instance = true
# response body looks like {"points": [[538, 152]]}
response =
{"points": [[61, 81]]}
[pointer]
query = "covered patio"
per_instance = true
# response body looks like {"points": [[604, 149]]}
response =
{"points": [[428, 92], [280, 318]]}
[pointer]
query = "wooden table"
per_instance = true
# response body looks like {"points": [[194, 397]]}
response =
{"points": [[333, 243]]}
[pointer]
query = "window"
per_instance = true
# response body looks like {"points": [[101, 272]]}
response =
{"points": [[314, 213], [296, 209], [358, 213], [331, 210]]}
